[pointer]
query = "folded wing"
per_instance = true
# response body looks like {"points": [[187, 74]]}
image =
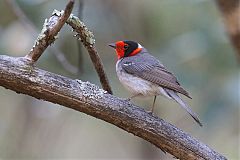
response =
{"points": [[155, 73]]}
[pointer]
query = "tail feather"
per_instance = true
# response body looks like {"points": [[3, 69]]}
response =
{"points": [[178, 99]]}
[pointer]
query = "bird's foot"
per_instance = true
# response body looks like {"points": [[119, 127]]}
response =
{"points": [[150, 112], [127, 99]]}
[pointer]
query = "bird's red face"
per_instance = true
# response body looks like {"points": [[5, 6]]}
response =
{"points": [[126, 48]]}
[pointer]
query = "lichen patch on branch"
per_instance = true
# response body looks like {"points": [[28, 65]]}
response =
{"points": [[90, 90], [89, 37]]}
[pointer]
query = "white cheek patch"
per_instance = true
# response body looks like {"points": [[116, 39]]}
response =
{"points": [[139, 46]]}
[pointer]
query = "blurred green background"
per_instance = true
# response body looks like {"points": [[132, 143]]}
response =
{"points": [[188, 36]]}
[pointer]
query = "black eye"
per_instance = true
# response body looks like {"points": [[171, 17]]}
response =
{"points": [[126, 46]]}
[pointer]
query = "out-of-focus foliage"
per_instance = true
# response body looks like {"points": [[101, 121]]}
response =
{"points": [[188, 36]]}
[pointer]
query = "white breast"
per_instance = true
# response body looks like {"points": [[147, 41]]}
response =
{"points": [[136, 85]]}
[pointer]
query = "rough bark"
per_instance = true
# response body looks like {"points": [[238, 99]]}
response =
{"points": [[16, 74]]}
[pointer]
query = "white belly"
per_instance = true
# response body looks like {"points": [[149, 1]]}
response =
{"points": [[140, 86]]}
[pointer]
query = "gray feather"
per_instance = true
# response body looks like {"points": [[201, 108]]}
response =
{"points": [[147, 67], [178, 99]]}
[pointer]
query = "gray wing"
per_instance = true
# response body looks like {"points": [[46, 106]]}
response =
{"points": [[154, 72]]}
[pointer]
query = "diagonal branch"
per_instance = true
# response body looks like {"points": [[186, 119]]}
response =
{"points": [[17, 75], [49, 32], [18, 12], [88, 41]]}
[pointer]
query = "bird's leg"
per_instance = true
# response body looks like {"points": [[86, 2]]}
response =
{"points": [[133, 96], [154, 100]]}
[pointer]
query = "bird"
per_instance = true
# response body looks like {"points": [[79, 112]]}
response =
{"points": [[144, 75]]}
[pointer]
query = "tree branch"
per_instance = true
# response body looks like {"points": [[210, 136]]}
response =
{"points": [[88, 41], [49, 32], [48, 35], [16, 74], [22, 17]]}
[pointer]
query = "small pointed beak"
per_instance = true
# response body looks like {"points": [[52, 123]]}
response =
{"points": [[112, 45]]}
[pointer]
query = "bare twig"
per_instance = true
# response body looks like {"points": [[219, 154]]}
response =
{"points": [[17, 75], [49, 32], [231, 13], [88, 41], [18, 12]]}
